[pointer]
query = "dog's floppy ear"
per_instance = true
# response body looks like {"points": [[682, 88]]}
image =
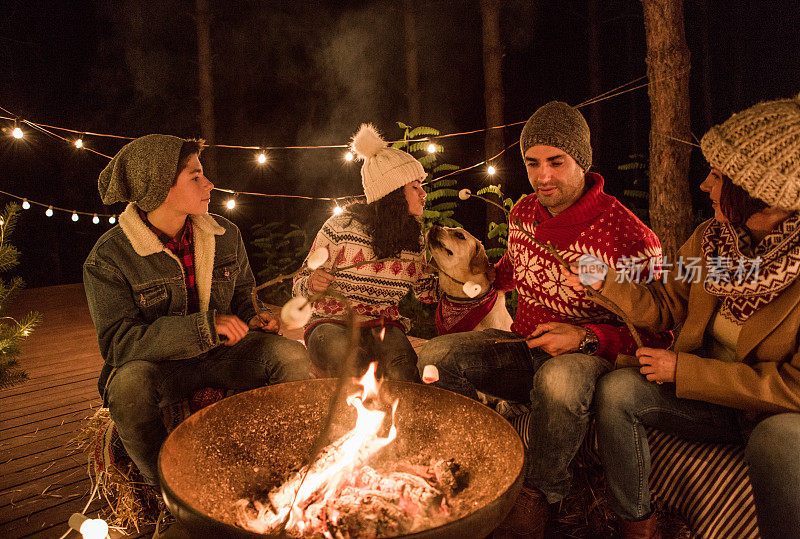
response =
{"points": [[479, 262]]}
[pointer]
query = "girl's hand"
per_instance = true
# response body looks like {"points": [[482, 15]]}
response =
{"points": [[573, 279], [657, 365], [319, 280], [265, 321]]}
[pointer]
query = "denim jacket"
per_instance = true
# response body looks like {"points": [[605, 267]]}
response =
{"points": [[137, 296]]}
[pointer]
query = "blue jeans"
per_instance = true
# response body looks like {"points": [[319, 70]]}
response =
{"points": [[138, 389], [397, 360], [626, 403], [560, 390]]}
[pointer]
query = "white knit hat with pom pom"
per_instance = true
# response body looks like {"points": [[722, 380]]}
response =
{"points": [[385, 169]]}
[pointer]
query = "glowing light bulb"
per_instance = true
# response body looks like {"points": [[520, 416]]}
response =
{"points": [[337, 210], [2, 222], [25, 204], [74, 216], [95, 219], [26, 332], [49, 211], [230, 204], [94, 528], [17, 133], [491, 170], [112, 220], [431, 148], [78, 143], [349, 156], [261, 158]]}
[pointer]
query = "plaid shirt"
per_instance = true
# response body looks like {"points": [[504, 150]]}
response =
{"points": [[183, 248]]}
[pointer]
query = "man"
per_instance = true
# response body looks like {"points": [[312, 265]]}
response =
{"points": [[169, 293], [571, 341]]}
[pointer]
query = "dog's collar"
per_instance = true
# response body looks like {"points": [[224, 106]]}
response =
{"points": [[469, 300]]}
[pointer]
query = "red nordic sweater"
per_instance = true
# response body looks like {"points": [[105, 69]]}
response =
{"points": [[596, 224]]}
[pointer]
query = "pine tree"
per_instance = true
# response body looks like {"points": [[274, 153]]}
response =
{"points": [[12, 331]]}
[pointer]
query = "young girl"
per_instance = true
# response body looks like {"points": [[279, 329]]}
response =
{"points": [[387, 231]]}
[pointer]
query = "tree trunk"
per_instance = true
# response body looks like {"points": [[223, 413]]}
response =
{"points": [[708, 116], [206, 89], [493, 95], [668, 72], [595, 75], [412, 64]]}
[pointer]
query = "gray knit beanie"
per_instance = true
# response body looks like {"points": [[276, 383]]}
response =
{"points": [[143, 172], [561, 126], [759, 150]]}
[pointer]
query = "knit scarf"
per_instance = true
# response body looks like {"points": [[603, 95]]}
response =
{"points": [[454, 315], [748, 278]]}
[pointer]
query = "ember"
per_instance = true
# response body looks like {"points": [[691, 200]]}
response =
{"points": [[339, 495]]}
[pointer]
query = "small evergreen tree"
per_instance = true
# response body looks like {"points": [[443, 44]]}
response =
{"points": [[278, 248], [12, 331]]}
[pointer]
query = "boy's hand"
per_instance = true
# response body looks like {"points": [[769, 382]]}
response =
{"points": [[265, 321], [230, 328]]}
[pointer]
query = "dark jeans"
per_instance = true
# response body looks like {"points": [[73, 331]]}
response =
{"points": [[138, 390], [397, 360], [626, 403], [559, 388]]}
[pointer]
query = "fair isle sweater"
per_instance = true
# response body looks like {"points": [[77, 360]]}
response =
{"points": [[374, 290], [597, 224]]}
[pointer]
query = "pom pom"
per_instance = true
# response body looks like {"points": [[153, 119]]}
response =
{"points": [[367, 142], [464, 194], [296, 313], [472, 289], [317, 258], [430, 374]]}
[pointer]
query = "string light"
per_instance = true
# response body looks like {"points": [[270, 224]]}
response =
{"points": [[337, 210], [431, 148], [95, 219], [491, 170], [2, 222], [49, 211], [25, 204], [17, 132], [230, 204], [261, 158], [74, 216], [349, 156], [78, 143], [112, 220]]}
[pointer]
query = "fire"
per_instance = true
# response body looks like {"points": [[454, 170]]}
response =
{"points": [[339, 490]]}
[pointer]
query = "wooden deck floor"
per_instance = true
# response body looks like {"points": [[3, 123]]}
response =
{"points": [[42, 482]]}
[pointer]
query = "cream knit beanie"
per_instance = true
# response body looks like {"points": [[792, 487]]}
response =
{"points": [[385, 169], [759, 150]]}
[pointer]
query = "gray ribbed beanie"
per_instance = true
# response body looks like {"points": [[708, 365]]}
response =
{"points": [[759, 150], [143, 172], [561, 126]]}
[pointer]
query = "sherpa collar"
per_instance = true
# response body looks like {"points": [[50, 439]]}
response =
{"points": [[146, 243]]}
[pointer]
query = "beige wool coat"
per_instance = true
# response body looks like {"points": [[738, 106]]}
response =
{"points": [[765, 378]]}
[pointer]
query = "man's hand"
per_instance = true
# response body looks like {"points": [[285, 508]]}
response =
{"points": [[230, 328], [573, 280], [265, 321], [319, 280], [657, 365], [556, 338]]}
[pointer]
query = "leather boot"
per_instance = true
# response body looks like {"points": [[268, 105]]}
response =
{"points": [[527, 519], [640, 529]]}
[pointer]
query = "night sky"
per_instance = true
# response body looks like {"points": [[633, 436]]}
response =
{"points": [[307, 73]]}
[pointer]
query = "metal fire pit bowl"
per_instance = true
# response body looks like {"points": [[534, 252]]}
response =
{"points": [[246, 444]]}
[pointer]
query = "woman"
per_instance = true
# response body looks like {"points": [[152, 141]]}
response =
{"points": [[387, 230], [733, 375]]}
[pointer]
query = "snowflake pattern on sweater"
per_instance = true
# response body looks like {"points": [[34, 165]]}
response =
{"points": [[374, 290], [597, 224]]}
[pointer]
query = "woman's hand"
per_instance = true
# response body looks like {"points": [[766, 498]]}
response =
{"points": [[230, 328], [319, 280], [573, 279], [265, 321], [657, 365]]}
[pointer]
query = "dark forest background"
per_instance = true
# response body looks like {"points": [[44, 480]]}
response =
{"points": [[307, 73]]}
